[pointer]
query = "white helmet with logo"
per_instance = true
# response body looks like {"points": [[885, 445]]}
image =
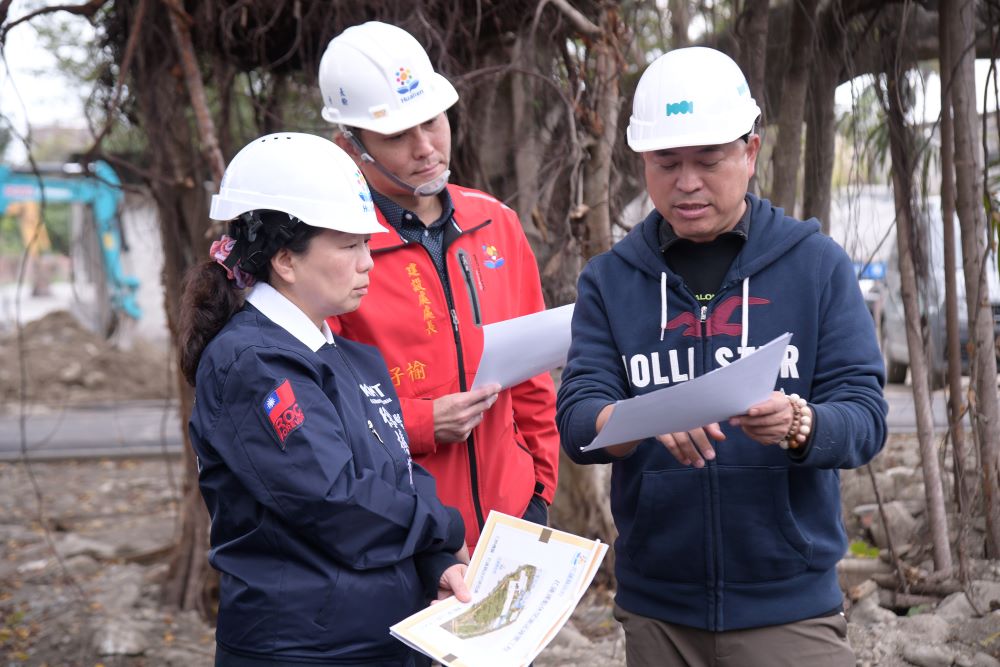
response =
{"points": [[690, 97], [302, 175], [377, 77]]}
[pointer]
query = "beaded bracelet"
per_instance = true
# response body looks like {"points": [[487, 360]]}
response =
{"points": [[801, 426]]}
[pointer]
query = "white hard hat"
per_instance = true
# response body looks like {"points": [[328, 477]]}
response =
{"points": [[302, 175], [377, 77], [690, 97]]}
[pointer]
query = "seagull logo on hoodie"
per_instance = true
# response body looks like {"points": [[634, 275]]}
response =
{"points": [[718, 323]]}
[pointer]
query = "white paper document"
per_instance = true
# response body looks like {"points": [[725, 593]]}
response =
{"points": [[525, 580], [521, 348], [713, 397]]}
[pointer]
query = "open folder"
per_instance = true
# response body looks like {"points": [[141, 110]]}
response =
{"points": [[714, 397], [525, 581]]}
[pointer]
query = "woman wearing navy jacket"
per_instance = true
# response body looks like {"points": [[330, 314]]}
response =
{"points": [[323, 530]]}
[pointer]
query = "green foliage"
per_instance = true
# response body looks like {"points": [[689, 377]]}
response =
{"points": [[862, 549], [10, 236], [15, 636], [864, 130], [57, 219], [86, 62], [57, 223], [919, 609]]}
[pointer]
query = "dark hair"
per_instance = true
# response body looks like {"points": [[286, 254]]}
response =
{"points": [[753, 129], [209, 298]]}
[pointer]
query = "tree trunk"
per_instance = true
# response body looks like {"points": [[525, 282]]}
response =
{"points": [[956, 406], [190, 582], [821, 120], [901, 146], [985, 404], [583, 507], [751, 31], [680, 19], [821, 137], [579, 486], [752, 35], [604, 127], [795, 83], [182, 203], [179, 26]]}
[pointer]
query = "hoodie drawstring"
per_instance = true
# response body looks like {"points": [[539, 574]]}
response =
{"points": [[746, 314], [663, 304]]}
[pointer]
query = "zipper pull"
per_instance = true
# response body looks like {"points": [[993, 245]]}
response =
{"points": [[454, 319], [704, 313], [374, 432]]}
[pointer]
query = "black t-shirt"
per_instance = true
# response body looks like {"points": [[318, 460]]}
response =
{"points": [[703, 266]]}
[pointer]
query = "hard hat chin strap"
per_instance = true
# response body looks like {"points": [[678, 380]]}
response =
{"points": [[430, 188]]}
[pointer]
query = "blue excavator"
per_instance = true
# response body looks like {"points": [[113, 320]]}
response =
{"points": [[22, 192]]}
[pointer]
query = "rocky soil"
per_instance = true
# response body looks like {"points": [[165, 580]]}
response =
{"points": [[57, 362], [83, 544], [85, 591]]}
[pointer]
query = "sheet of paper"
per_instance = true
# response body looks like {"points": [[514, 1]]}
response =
{"points": [[525, 581], [521, 348], [713, 397]]}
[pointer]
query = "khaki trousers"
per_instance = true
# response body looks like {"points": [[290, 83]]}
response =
{"points": [[816, 642]]}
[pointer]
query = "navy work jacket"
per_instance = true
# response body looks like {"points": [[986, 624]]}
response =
{"points": [[320, 520]]}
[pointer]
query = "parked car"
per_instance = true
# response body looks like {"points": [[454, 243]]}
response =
{"points": [[892, 325], [871, 280]]}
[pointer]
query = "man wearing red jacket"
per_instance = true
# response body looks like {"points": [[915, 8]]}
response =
{"points": [[455, 260]]}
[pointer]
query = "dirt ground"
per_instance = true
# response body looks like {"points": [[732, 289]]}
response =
{"points": [[97, 602], [83, 544], [56, 361], [85, 593]]}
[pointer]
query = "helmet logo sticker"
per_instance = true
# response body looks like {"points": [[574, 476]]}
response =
{"points": [[493, 258], [405, 81], [685, 106], [742, 89], [363, 193], [408, 85]]}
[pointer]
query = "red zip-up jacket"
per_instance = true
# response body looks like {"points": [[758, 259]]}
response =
{"points": [[431, 336]]}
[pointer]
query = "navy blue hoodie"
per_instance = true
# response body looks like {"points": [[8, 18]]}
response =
{"points": [[324, 531], [753, 538]]}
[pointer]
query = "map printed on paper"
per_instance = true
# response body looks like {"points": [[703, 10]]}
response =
{"points": [[501, 607], [525, 581]]}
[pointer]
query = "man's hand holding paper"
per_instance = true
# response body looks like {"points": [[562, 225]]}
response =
{"points": [[685, 417]]}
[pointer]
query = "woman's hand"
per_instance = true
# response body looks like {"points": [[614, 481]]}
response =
{"points": [[453, 583]]}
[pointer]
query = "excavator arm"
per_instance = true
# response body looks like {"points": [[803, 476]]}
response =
{"points": [[101, 191]]}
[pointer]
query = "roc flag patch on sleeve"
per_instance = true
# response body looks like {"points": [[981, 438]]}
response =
{"points": [[282, 409]]}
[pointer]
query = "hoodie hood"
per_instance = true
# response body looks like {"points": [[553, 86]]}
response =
{"points": [[771, 235]]}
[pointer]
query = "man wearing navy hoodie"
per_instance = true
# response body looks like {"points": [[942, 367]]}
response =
{"points": [[729, 534]]}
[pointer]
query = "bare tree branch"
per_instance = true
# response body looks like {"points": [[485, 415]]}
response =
{"points": [[180, 23], [87, 9], [4, 8], [123, 68], [579, 21]]}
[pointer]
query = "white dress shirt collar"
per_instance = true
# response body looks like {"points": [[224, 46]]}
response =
{"points": [[276, 307]]}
